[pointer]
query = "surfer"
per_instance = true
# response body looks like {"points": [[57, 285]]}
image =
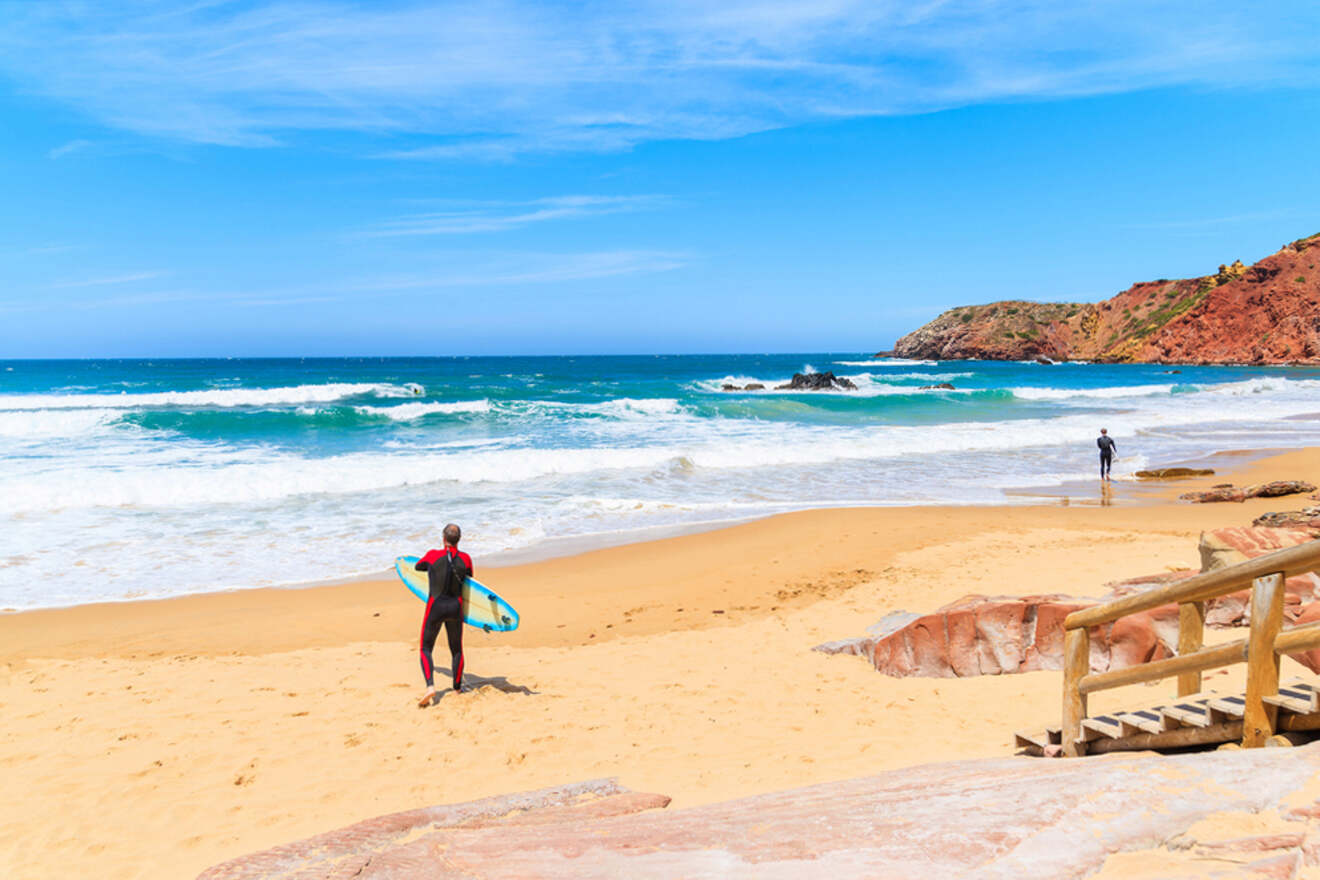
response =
{"points": [[1107, 449], [447, 571]]}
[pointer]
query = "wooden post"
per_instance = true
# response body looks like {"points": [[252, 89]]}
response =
{"points": [[1191, 634], [1258, 717], [1076, 664]]}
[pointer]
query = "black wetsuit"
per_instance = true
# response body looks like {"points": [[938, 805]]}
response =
{"points": [[447, 571], [1107, 447]]}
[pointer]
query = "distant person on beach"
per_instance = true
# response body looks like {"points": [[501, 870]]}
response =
{"points": [[447, 572], [1107, 448]]}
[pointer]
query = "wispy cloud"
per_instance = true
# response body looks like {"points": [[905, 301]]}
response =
{"points": [[452, 80], [501, 216], [65, 149], [536, 269], [1205, 223], [108, 279]]}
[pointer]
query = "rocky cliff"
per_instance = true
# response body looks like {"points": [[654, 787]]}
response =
{"points": [[1267, 313]]}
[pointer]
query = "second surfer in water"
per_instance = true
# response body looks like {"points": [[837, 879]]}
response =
{"points": [[447, 571], [1107, 449]]}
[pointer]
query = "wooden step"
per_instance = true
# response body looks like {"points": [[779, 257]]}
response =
{"points": [[1051, 736], [1104, 725], [1190, 713], [1300, 699], [1228, 708], [1148, 720]]}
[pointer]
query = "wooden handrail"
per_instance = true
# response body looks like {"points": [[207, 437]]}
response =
{"points": [[1208, 658], [1261, 650], [1289, 562], [1299, 638]]}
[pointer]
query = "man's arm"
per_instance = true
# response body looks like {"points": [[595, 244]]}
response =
{"points": [[424, 564]]}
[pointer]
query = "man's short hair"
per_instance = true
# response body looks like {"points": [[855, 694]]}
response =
{"points": [[452, 533], [1102, 431]]}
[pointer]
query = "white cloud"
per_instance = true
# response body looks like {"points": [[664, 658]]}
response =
{"points": [[493, 80], [109, 279], [65, 149], [501, 216]]}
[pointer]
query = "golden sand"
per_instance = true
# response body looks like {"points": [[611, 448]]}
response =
{"points": [[152, 739]]}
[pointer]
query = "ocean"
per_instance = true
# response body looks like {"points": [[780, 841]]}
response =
{"points": [[127, 479]]}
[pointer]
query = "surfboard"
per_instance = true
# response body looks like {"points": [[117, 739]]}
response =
{"points": [[482, 607]]}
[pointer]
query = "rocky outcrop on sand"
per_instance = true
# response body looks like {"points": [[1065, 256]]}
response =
{"points": [[826, 381], [1228, 492], [1259, 314], [1002, 818], [998, 635], [1173, 473], [1307, 518]]}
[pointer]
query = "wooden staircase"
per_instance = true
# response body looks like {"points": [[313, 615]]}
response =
{"points": [[1195, 720], [1264, 714]]}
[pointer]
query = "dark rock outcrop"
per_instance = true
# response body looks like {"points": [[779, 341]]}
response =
{"points": [[1307, 518], [1262, 314], [826, 381], [991, 819], [939, 386], [1173, 473], [1227, 492]]}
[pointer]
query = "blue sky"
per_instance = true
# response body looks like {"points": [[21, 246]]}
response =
{"points": [[321, 178]]}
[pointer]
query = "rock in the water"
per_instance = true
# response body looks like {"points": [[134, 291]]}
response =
{"points": [[1041, 359], [941, 386], [1173, 472], [753, 386], [826, 381], [990, 819], [727, 387], [1262, 490]]}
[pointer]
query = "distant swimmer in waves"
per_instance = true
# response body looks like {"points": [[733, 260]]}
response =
{"points": [[447, 572], [1107, 449]]}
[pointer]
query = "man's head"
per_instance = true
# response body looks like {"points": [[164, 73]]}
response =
{"points": [[1102, 431], [452, 533]]}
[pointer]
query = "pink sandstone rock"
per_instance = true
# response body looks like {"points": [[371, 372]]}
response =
{"points": [[1221, 548], [996, 819], [982, 635]]}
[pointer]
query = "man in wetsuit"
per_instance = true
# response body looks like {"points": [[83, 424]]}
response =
{"points": [[447, 572], [1107, 449]]}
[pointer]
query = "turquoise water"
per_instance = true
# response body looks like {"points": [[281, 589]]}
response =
{"points": [[121, 479]]}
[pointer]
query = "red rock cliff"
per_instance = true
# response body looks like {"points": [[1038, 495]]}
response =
{"points": [[1268, 313]]}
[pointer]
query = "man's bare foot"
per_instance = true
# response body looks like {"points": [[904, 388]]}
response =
{"points": [[427, 699]]}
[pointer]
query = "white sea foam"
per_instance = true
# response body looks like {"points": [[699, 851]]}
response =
{"points": [[48, 424], [407, 412], [889, 362], [1106, 393], [220, 397]]}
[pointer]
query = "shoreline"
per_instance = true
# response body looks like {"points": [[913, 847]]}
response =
{"points": [[1135, 492], [315, 614]]}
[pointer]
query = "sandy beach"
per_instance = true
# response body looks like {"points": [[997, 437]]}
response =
{"points": [[152, 739]]}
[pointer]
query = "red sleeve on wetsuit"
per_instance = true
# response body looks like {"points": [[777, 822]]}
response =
{"points": [[431, 556], [468, 561]]}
